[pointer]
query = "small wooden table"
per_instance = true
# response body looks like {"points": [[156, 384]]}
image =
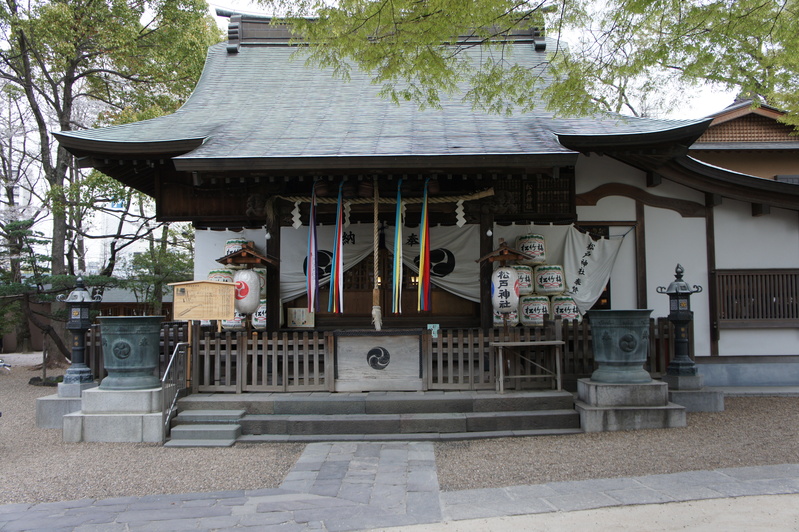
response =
{"points": [[500, 346]]}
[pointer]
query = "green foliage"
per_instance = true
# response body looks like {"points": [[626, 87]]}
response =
{"points": [[126, 53], [620, 52], [169, 259]]}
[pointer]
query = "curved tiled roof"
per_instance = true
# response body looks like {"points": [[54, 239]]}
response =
{"points": [[263, 102]]}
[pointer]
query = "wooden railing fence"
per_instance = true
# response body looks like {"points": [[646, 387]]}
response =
{"points": [[460, 359]]}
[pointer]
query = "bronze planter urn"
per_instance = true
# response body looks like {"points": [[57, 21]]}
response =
{"points": [[130, 351], [621, 344]]}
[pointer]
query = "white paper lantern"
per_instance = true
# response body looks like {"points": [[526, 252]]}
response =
{"points": [[248, 291], [505, 290]]}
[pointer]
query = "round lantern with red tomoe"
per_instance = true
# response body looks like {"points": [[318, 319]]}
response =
{"points": [[248, 293], [505, 290]]}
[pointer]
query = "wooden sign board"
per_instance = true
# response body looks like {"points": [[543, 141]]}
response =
{"points": [[203, 300]]}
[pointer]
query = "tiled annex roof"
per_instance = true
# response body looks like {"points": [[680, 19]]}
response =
{"points": [[264, 103]]}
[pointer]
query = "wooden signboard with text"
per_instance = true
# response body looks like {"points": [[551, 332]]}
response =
{"points": [[203, 300]]}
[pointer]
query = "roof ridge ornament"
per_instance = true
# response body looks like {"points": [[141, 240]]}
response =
{"points": [[234, 34]]}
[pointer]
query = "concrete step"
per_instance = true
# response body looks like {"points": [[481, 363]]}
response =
{"points": [[229, 431], [379, 402], [418, 436], [200, 443], [456, 422], [186, 417]]}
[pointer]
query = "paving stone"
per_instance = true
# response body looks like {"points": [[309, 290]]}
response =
{"points": [[581, 501], [103, 527], [589, 486], [13, 508], [164, 526], [639, 496], [133, 516], [762, 472]]}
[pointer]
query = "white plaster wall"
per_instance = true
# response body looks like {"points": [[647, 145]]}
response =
{"points": [[593, 171], [671, 240], [746, 241], [623, 277], [210, 245]]}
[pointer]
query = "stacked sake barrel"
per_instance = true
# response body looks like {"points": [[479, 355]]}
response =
{"points": [[541, 286]]}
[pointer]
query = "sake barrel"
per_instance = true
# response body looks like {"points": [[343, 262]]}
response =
{"points": [[532, 310], [235, 244], [505, 289], [236, 324], [248, 292], [222, 276], [549, 280], [534, 246], [525, 274], [512, 318], [259, 316], [565, 308], [261, 272]]}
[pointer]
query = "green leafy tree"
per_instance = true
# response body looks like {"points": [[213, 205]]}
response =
{"points": [[169, 258], [620, 52], [74, 59]]}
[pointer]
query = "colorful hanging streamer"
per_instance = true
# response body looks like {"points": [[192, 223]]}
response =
{"points": [[424, 256], [312, 260], [336, 302], [396, 298]]}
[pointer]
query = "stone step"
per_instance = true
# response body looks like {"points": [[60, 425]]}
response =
{"points": [[200, 443], [229, 431], [379, 402], [464, 422], [208, 416], [418, 436]]}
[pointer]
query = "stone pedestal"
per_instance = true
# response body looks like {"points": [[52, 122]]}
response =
{"points": [[117, 416], [51, 409], [611, 406], [687, 390]]}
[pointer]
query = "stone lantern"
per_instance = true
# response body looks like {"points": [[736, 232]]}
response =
{"points": [[681, 316], [78, 302]]}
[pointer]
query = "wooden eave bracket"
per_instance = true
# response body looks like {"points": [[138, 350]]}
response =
{"points": [[503, 254], [760, 209], [248, 256]]}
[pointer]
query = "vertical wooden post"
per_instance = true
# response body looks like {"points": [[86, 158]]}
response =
{"points": [[486, 246], [273, 302]]}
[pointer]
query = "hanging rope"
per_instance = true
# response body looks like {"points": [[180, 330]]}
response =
{"points": [[271, 212], [377, 314]]}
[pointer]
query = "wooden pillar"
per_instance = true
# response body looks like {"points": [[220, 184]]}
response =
{"points": [[486, 267], [640, 255], [273, 303]]}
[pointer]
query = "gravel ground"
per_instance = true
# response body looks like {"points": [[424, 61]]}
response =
{"points": [[38, 467]]}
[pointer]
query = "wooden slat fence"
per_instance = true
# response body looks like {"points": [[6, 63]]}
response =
{"points": [[460, 359], [260, 362]]}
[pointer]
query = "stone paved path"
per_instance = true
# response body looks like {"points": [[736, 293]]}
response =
{"points": [[363, 486]]}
